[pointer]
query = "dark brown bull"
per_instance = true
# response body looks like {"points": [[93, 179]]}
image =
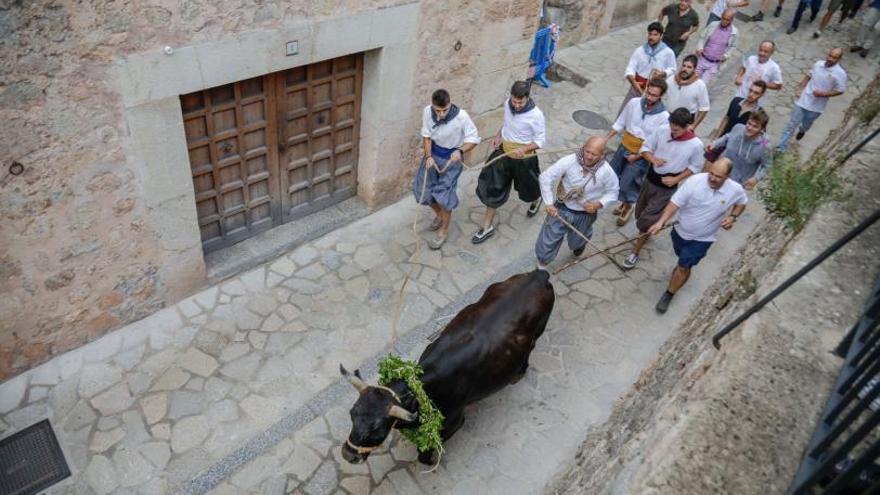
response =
{"points": [[485, 347]]}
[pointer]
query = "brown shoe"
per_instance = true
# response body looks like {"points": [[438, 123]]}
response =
{"points": [[624, 216], [617, 209]]}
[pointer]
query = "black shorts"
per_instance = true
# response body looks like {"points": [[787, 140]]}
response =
{"points": [[493, 185]]}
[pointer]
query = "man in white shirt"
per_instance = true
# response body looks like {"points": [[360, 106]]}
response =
{"points": [[706, 203], [522, 133], [759, 67], [675, 153], [652, 60], [636, 122], [447, 133], [586, 185], [686, 89], [826, 79]]}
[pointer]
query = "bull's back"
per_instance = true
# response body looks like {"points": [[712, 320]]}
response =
{"points": [[487, 344]]}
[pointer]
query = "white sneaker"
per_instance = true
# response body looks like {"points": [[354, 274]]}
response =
{"points": [[630, 261]]}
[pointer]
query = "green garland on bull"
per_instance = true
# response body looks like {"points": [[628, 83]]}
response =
{"points": [[427, 436]]}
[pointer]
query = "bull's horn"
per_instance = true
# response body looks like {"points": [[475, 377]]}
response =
{"points": [[354, 380], [401, 413]]}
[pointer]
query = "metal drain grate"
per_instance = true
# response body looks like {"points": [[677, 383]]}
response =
{"points": [[591, 120], [31, 460]]}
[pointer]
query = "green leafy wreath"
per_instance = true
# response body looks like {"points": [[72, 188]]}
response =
{"points": [[427, 436]]}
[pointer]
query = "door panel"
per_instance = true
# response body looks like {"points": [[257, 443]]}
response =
{"points": [[273, 148]]}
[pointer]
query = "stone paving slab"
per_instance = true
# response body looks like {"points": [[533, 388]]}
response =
{"points": [[236, 389]]}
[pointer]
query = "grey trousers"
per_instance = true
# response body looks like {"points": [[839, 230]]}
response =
{"points": [[553, 231]]}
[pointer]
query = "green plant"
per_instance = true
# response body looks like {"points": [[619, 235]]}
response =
{"points": [[869, 110], [427, 436], [792, 191]]}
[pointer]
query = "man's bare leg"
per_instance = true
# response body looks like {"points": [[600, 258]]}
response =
{"points": [[679, 276], [488, 218]]}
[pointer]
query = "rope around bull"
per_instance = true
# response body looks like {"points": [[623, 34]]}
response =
{"points": [[434, 431]]}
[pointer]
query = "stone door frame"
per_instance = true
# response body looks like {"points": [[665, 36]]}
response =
{"points": [[151, 82]]}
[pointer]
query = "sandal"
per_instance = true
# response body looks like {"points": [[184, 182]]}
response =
{"points": [[436, 224], [437, 242]]}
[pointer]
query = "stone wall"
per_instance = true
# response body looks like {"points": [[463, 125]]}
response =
{"points": [[738, 420], [83, 251]]}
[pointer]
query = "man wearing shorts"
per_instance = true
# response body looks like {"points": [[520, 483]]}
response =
{"points": [[521, 135], [706, 203], [674, 153]]}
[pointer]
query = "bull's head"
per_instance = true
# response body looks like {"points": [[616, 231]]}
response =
{"points": [[372, 418]]}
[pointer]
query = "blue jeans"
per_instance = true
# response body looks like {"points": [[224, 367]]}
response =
{"points": [[801, 119], [814, 5]]}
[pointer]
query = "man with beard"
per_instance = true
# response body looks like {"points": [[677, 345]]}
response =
{"points": [[716, 42], [675, 153], [760, 67], [705, 203], [826, 80], [683, 22], [688, 91], [637, 121], [586, 185], [747, 148], [651, 60], [522, 133]]}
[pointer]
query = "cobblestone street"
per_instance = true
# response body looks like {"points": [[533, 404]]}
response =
{"points": [[237, 390]]}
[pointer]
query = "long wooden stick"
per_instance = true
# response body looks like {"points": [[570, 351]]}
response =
{"points": [[608, 249], [590, 243]]}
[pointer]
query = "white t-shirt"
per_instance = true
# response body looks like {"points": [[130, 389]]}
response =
{"points": [[452, 134], [603, 188], [524, 128], [635, 122], [694, 96], [701, 208], [822, 78], [679, 155], [768, 72]]}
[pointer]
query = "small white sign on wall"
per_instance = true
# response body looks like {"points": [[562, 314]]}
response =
{"points": [[292, 48]]}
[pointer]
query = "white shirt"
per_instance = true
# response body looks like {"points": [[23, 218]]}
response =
{"points": [[768, 72], [524, 128], [452, 134], [694, 96], [635, 122], [679, 155], [822, 79], [640, 63], [701, 208], [719, 7], [602, 188]]}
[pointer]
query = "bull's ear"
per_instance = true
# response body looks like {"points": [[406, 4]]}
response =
{"points": [[355, 381], [401, 413]]}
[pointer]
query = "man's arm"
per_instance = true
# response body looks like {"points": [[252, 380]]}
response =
{"points": [[738, 80], [547, 180], [676, 179], [729, 220], [701, 114], [670, 210], [801, 86]]}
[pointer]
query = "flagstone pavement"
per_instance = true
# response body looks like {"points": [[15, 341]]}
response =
{"points": [[236, 389]]}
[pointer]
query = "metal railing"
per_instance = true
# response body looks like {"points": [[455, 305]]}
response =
{"points": [[844, 450]]}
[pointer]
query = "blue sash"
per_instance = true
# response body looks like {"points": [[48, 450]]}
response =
{"points": [[440, 151]]}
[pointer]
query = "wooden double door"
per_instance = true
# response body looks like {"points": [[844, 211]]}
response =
{"points": [[273, 148]]}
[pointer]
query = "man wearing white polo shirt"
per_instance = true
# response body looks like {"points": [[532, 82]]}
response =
{"points": [[706, 203], [826, 79]]}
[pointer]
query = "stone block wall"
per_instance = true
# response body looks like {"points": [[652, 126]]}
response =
{"points": [[83, 251]]}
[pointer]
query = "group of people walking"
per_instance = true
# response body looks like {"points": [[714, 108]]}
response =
{"points": [[660, 169]]}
